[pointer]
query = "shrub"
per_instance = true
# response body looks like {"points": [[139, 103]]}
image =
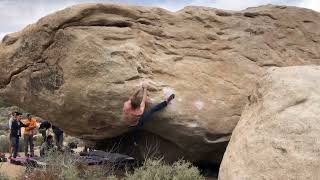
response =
{"points": [[64, 166], [3, 120], [2, 132], [4, 144], [4, 104], [158, 170], [37, 140]]}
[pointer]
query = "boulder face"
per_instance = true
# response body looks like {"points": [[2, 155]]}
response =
{"points": [[277, 135], [77, 66]]}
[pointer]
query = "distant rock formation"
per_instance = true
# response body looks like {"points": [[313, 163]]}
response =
{"points": [[77, 66], [277, 136]]}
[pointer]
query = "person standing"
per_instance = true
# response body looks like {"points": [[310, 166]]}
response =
{"points": [[12, 118], [58, 134], [29, 131], [15, 133]]}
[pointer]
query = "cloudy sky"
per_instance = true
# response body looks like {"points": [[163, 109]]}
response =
{"points": [[16, 14]]}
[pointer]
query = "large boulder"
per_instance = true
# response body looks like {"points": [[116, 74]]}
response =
{"points": [[277, 136], [77, 66]]}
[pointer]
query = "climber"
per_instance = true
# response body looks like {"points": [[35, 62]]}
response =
{"points": [[134, 111]]}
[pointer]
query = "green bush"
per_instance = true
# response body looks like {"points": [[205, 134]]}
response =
{"points": [[158, 170], [3, 119], [37, 140], [2, 132], [64, 166], [4, 144], [4, 104]]}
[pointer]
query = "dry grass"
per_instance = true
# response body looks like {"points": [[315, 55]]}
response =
{"points": [[157, 169], [4, 144], [63, 166]]}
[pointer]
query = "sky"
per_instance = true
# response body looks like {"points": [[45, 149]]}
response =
{"points": [[16, 14]]}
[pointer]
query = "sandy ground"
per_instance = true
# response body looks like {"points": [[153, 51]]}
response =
{"points": [[11, 170], [15, 171]]}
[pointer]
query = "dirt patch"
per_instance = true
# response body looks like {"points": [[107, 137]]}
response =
{"points": [[11, 170]]}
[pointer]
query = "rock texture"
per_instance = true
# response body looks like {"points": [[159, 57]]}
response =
{"points": [[77, 66], [5, 112], [278, 134]]}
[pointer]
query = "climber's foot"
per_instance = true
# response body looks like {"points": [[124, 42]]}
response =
{"points": [[170, 98], [135, 144]]}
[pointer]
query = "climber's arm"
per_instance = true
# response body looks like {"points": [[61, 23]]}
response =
{"points": [[135, 93], [144, 99]]}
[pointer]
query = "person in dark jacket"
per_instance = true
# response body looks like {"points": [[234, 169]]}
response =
{"points": [[15, 133], [44, 126], [58, 134]]}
